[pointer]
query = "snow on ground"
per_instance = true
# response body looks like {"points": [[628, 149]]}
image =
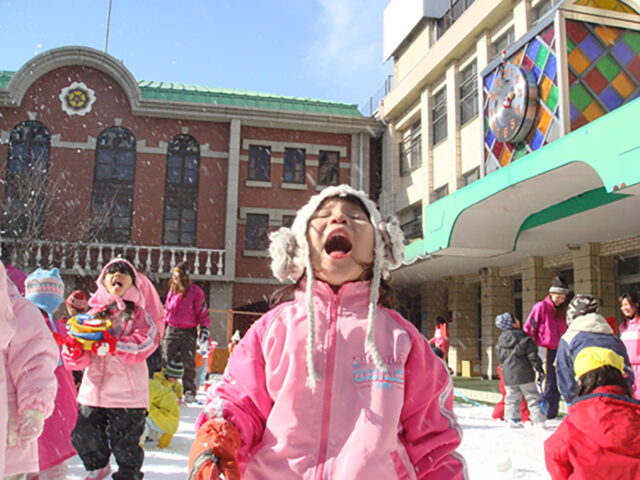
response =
{"points": [[492, 450]]}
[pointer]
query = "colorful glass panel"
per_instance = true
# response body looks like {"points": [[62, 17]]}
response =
{"points": [[539, 57], [611, 77], [606, 5]]}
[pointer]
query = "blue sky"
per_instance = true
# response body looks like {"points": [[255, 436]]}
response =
{"points": [[325, 49]]}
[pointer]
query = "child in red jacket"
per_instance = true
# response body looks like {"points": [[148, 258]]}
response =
{"points": [[598, 438]]}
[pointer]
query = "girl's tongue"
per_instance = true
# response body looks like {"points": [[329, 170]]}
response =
{"points": [[337, 245]]}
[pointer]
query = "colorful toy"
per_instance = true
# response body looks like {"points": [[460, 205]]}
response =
{"points": [[89, 330]]}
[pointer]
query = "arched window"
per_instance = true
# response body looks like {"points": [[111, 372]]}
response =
{"points": [[181, 191], [25, 197], [113, 177]]}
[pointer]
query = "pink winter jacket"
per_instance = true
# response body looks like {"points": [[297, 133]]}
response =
{"points": [[54, 445], [359, 423], [119, 380], [7, 330], [546, 324], [32, 358], [188, 311], [630, 336]]}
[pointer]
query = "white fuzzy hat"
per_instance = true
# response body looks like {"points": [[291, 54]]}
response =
{"points": [[289, 250]]}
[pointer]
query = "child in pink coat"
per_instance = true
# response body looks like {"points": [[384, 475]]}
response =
{"points": [[46, 290], [332, 384], [114, 394], [7, 329], [31, 360]]}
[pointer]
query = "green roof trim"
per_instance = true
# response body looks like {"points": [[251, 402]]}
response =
{"points": [[178, 92], [610, 145], [580, 203], [5, 76]]}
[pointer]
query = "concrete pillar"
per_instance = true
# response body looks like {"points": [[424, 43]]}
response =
{"points": [[594, 275], [521, 17], [496, 299], [231, 218], [463, 330], [220, 298], [535, 283]]}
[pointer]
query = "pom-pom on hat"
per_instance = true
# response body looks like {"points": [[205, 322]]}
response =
{"points": [[504, 321], [174, 369], [236, 336], [590, 358], [581, 305], [559, 285], [289, 251], [78, 300], [45, 288]]}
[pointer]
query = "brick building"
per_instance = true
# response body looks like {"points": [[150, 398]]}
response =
{"points": [[159, 171]]}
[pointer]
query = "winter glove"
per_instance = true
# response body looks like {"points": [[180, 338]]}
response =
{"points": [[71, 348], [215, 452], [203, 338], [106, 346], [540, 377], [30, 425]]}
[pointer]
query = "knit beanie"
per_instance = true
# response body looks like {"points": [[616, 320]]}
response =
{"points": [[174, 369], [590, 358], [581, 305], [45, 288], [78, 300], [504, 321], [290, 258], [559, 285]]}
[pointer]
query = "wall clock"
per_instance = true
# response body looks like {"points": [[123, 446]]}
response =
{"points": [[512, 103]]}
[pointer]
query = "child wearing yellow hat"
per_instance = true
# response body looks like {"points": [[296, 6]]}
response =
{"points": [[598, 438]]}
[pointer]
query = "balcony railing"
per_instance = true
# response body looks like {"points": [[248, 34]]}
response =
{"points": [[87, 259]]}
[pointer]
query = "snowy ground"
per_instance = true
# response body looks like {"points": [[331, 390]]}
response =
{"points": [[492, 450]]}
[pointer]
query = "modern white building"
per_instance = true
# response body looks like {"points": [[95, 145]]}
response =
{"points": [[511, 154]]}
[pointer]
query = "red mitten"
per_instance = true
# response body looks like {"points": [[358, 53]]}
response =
{"points": [[106, 346], [215, 451], [72, 348]]}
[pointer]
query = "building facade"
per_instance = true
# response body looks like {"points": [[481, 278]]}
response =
{"points": [[99, 164], [509, 157]]}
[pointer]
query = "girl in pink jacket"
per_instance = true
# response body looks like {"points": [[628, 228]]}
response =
{"points": [[31, 359], [114, 394], [45, 289], [630, 334], [7, 329], [332, 384]]}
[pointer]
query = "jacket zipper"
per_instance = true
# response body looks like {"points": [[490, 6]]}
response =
{"points": [[328, 386]]}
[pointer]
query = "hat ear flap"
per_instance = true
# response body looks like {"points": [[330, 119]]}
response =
{"points": [[282, 249], [393, 240]]}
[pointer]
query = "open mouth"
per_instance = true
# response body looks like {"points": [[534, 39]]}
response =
{"points": [[117, 283], [337, 244]]}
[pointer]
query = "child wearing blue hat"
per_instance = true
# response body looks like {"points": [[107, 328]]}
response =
{"points": [[518, 357], [45, 288]]}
